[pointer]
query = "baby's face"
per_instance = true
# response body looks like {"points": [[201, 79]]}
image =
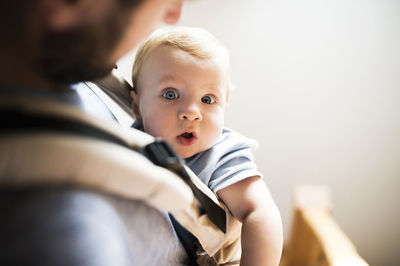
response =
{"points": [[182, 99]]}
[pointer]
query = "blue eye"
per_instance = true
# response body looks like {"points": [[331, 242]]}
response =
{"points": [[208, 99], [170, 95]]}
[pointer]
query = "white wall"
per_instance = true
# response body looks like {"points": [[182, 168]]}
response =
{"points": [[318, 85]]}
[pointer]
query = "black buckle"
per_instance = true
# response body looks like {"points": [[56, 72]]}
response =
{"points": [[161, 153]]}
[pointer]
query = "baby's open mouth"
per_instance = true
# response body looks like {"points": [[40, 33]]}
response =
{"points": [[187, 135], [187, 138]]}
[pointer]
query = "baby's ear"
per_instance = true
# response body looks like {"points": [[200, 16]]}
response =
{"points": [[135, 105]]}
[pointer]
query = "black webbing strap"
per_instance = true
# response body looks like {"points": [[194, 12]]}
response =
{"points": [[161, 153], [158, 152]]}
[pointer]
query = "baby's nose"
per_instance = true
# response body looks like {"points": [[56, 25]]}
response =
{"points": [[191, 113]]}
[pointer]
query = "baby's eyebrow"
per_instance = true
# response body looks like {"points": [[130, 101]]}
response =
{"points": [[166, 78], [213, 89]]}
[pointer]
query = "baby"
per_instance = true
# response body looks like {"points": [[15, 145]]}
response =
{"points": [[181, 88]]}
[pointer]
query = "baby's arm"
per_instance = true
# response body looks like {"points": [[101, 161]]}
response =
{"points": [[250, 202]]}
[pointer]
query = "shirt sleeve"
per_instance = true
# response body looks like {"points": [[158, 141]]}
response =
{"points": [[235, 166], [235, 161]]}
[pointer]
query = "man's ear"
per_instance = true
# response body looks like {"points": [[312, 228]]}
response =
{"points": [[135, 105], [62, 14]]}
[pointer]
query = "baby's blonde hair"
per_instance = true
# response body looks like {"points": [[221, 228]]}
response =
{"points": [[195, 41]]}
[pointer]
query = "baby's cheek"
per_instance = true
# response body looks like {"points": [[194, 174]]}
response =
{"points": [[216, 136], [219, 125], [215, 131], [154, 127], [218, 121]]}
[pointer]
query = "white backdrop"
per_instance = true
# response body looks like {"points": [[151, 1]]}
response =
{"points": [[318, 85]]}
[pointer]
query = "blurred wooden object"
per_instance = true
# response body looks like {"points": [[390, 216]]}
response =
{"points": [[315, 238]]}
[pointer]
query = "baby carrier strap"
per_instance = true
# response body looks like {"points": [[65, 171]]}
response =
{"points": [[159, 152], [48, 128]]}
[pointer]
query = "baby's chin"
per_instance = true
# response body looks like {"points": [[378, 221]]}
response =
{"points": [[187, 152], [186, 155]]}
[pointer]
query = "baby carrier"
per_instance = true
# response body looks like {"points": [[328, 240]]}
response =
{"points": [[114, 159]]}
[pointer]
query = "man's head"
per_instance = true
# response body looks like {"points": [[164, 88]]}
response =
{"points": [[181, 85], [66, 41]]}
